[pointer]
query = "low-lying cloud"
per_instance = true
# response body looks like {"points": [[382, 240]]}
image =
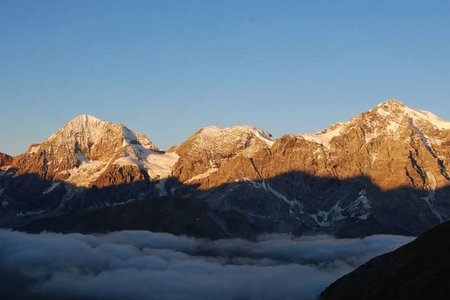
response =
{"points": [[147, 265]]}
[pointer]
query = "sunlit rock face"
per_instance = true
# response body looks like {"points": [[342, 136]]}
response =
{"points": [[209, 150], [88, 151], [383, 171], [385, 168], [392, 144], [5, 160]]}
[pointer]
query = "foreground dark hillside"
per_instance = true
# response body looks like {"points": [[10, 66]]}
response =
{"points": [[418, 270]]}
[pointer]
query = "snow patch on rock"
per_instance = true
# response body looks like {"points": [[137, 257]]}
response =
{"points": [[214, 133], [86, 173], [324, 137], [203, 175], [428, 117], [431, 197], [159, 165], [53, 186], [360, 208]]}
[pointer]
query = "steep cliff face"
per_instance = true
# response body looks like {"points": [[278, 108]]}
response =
{"points": [[5, 160], [350, 179]]}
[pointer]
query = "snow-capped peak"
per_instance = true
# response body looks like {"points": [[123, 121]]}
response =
{"points": [[385, 117], [428, 117], [86, 131], [86, 146], [85, 127], [85, 118], [397, 109], [392, 103]]}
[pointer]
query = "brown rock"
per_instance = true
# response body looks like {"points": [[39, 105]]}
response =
{"points": [[5, 160]]}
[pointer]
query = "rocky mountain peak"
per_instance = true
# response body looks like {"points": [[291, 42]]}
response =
{"points": [[85, 118], [396, 109], [5, 159], [392, 104], [86, 132], [209, 148], [87, 148], [391, 119], [235, 132]]}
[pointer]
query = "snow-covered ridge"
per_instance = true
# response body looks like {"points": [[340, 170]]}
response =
{"points": [[428, 117], [216, 132], [389, 107], [83, 123], [325, 136], [390, 114]]}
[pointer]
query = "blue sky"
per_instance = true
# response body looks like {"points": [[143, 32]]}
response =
{"points": [[167, 68]]}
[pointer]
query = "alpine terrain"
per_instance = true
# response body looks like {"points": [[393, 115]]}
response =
{"points": [[384, 171]]}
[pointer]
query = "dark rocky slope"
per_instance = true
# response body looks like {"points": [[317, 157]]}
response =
{"points": [[165, 214], [418, 270]]}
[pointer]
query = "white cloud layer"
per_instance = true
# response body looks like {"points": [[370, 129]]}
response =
{"points": [[147, 265]]}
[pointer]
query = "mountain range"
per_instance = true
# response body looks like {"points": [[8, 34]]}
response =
{"points": [[384, 171]]}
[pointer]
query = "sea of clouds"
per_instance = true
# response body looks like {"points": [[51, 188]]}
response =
{"points": [[148, 265]]}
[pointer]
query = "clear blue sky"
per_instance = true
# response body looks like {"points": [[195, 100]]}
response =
{"points": [[167, 68]]}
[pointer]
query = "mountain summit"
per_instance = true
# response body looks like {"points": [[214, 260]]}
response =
{"points": [[88, 151], [208, 149]]}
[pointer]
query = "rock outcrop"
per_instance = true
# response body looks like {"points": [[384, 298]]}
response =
{"points": [[5, 160]]}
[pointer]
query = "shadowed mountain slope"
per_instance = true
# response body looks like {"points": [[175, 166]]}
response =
{"points": [[239, 209], [418, 270]]}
